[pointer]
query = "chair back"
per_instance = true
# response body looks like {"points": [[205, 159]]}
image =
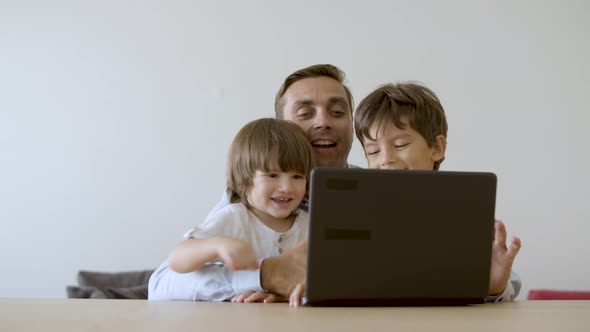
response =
{"points": [[554, 294]]}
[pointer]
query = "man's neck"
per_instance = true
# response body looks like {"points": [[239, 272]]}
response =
{"points": [[337, 165]]}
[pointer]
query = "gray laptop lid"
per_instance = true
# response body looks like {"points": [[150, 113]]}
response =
{"points": [[380, 237]]}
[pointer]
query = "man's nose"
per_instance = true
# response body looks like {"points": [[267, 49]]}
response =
{"points": [[322, 120]]}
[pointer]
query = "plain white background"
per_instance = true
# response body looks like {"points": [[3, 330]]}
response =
{"points": [[116, 117]]}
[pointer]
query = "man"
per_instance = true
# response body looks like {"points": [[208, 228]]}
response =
{"points": [[316, 99]]}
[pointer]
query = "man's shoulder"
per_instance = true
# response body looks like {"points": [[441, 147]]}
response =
{"points": [[230, 211], [302, 214], [223, 202], [302, 219], [227, 221]]}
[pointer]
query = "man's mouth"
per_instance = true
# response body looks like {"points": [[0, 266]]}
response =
{"points": [[323, 143]]}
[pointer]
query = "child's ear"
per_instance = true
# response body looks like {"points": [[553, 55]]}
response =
{"points": [[439, 148]]}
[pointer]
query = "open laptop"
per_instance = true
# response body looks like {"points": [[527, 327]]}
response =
{"points": [[383, 237]]}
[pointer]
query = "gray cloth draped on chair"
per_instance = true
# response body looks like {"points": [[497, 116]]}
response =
{"points": [[111, 285]]}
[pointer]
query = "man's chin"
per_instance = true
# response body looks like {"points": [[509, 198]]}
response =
{"points": [[331, 163], [328, 157]]}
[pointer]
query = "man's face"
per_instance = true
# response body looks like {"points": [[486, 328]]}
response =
{"points": [[319, 105], [396, 148]]}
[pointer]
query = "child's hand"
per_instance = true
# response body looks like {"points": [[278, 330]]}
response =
{"points": [[502, 259], [237, 254], [252, 296], [296, 295]]}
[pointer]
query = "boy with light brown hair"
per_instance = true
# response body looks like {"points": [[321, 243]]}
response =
{"points": [[268, 169]]}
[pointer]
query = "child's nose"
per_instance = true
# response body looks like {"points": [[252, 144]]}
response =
{"points": [[285, 185], [388, 159]]}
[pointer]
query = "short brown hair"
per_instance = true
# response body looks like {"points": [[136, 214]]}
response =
{"points": [[390, 102], [325, 70], [261, 145]]}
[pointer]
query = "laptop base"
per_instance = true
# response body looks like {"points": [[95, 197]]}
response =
{"points": [[395, 302]]}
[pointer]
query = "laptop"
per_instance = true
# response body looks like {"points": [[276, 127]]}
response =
{"points": [[392, 237]]}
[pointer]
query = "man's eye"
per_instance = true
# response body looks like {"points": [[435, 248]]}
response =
{"points": [[337, 113], [338, 110], [304, 113], [400, 146]]}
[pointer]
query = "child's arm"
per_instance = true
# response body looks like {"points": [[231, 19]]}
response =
{"points": [[192, 254], [502, 259]]}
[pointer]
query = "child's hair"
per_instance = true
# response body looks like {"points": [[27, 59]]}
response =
{"points": [[261, 145], [392, 102]]}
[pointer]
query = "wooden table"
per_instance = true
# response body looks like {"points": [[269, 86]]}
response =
{"points": [[138, 315]]}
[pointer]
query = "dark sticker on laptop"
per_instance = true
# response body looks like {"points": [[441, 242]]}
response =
{"points": [[346, 234]]}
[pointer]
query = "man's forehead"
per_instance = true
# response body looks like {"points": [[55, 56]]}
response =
{"points": [[314, 89]]}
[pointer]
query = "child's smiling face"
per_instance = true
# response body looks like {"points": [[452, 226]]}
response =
{"points": [[275, 194], [397, 148]]}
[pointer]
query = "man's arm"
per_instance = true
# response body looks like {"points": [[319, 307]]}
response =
{"points": [[223, 202], [210, 283], [281, 274]]}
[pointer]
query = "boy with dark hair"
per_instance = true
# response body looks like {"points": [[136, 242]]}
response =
{"points": [[403, 126]]}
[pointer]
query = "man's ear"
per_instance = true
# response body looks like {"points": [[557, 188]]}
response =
{"points": [[439, 148]]}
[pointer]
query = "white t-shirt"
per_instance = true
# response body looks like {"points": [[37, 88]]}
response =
{"points": [[236, 221]]}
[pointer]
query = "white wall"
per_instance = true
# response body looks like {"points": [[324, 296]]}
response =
{"points": [[115, 116]]}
